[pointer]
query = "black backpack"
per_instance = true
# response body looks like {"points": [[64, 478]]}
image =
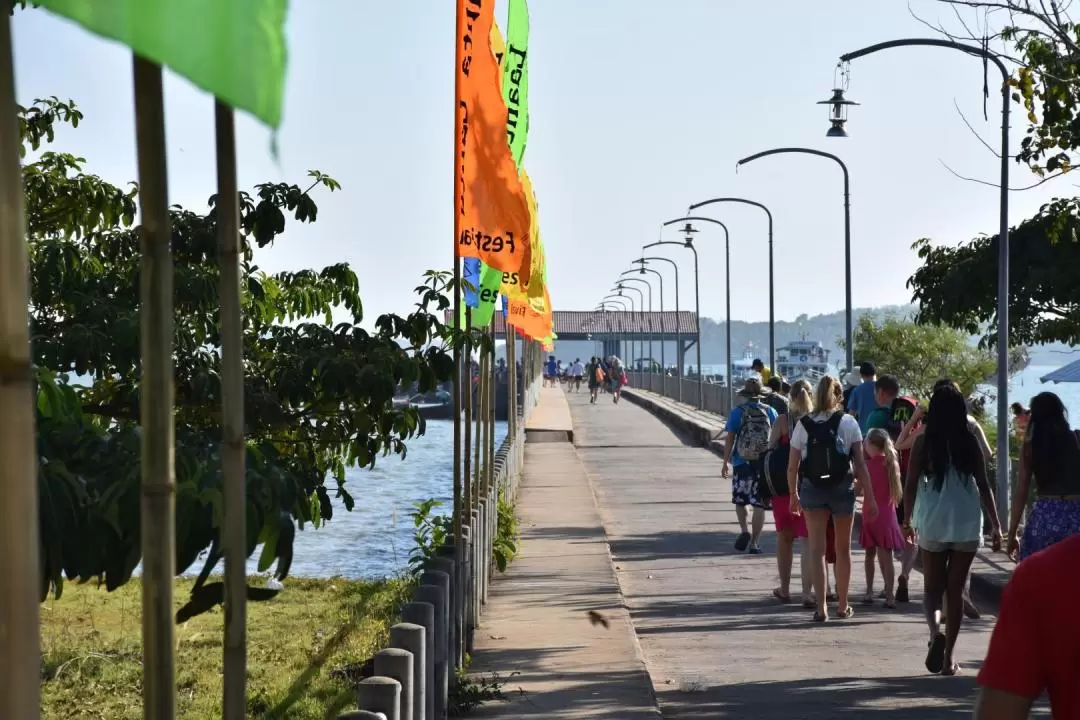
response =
{"points": [[825, 465], [776, 467]]}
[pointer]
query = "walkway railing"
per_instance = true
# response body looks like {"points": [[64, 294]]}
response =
{"points": [[414, 675], [715, 396]]}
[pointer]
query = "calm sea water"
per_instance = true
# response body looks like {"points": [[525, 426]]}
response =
{"points": [[375, 539]]}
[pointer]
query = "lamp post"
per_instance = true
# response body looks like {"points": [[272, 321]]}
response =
{"points": [[642, 270], [772, 282], [688, 229], [848, 328], [629, 305], [641, 317], [643, 261], [645, 327], [697, 317], [838, 106]]}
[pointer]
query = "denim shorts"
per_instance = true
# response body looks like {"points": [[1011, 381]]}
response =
{"points": [[839, 500], [935, 547]]}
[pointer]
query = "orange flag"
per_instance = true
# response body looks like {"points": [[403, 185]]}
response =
{"points": [[491, 218]]}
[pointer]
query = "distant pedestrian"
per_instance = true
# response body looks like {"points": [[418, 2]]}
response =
{"points": [[616, 378], [862, 401], [1021, 416], [746, 441], [882, 535], [551, 372], [946, 482], [595, 371], [577, 371], [825, 447], [761, 369], [776, 398], [1050, 454]]}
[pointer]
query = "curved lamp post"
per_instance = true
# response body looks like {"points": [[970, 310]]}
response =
{"points": [[697, 316], [624, 304], [689, 229], [847, 234], [645, 327], [642, 270], [641, 316], [1003, 237], [772, 283], [643, 262]]}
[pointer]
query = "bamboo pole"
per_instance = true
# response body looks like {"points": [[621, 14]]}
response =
{"points": [[234, 531], [465, 511], [20, 655], [156, 398], [511, 379], [492, 397], [481, 424]]}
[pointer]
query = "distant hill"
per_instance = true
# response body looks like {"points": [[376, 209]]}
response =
{"points": [[827, 329]]}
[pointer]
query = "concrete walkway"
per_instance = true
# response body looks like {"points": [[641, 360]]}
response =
{"points": [[717, 645], [537, 622]]}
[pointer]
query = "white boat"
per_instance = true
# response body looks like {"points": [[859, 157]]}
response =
{"points": [[802, 360]]}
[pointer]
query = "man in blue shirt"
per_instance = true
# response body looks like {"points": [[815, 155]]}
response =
{"points": [[863, 400], [551, 372], [746, 440]]}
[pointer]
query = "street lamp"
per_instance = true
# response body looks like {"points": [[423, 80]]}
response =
{"points": [[643, 261], [1003, 244], [848, 328], [772, 283], [623, 303], [642, 270], [688, 229], [641, 317], [697, 315], [646, 328]]}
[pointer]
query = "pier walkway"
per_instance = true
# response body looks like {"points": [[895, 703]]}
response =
{"points": [[714, 642]]}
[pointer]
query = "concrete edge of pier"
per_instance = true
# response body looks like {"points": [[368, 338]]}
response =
{"points": [[989, 573]]}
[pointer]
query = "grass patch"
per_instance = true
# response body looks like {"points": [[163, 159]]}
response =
{"points": [[306, 648]]}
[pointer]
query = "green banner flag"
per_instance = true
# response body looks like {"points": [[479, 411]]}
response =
{"points": [[514, 58], [234, 49]]}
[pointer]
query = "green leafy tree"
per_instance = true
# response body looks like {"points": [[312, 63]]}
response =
{"points": [[921, 354], [318, 395], [956, 285]]}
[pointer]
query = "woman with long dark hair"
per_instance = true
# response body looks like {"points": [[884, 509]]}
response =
{"points": [[946, 482], [1050, 453]]}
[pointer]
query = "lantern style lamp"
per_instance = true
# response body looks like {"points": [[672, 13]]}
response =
{"points": [[838, 111], [689, 230]]}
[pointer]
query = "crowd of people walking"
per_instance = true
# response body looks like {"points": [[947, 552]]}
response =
{"points": [[806, 453]]}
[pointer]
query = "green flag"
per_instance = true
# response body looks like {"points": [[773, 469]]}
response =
{"points": [[234, 49], [515, 89]]}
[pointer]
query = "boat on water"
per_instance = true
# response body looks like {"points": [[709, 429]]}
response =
{"points": [[802, 360]]}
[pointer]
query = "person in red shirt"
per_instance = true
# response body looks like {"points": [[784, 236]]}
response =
{"points": [[1035, 647]]}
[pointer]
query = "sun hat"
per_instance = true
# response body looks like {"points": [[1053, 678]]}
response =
{"points": [[752, 388], [853, 379]]}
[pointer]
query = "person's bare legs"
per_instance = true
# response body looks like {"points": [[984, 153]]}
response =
{"points": [[868, 566], [885, 559], [757, 524], [908, 556], [785, 555], [959, 565], [806, 569], [740, 515], [817, 523], [842, 526]]}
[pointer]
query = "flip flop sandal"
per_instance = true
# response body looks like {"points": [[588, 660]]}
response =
{"points": [[846, 613], [935, 655], [868, 599], [951, 671], [742, 541], [780, 596], [819, 618], [902, 590]]}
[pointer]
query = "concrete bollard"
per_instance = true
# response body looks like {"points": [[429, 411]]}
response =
{"points": [[411, 638], [396, 663], [423, 615], [447, 567], [432, 590], [380, 695], [362, 715]]}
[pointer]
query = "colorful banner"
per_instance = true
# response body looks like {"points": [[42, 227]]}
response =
{"points": [[491, 215], [234, 50]]}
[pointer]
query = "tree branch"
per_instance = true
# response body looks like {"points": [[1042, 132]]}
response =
{"points": [[1043, 181]]}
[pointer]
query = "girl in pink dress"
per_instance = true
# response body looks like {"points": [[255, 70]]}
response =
{"points": [[882, 535]]}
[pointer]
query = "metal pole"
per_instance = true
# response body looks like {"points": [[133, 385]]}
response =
{"points": [[727, 321], [641, 321], [697, 325], [158, 505], [233, 447], [678, 330], [679, 354], [1003, 486], [847, 232], [772, 277], [649, 288], [20, 655], [663, 357]]}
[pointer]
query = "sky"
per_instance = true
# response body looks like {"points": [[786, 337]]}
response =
{"points": [[637, 110]]}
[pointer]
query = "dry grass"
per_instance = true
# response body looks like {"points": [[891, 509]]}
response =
{"points": [[92, 652]]}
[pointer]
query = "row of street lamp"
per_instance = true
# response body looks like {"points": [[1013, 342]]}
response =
{"points": [[838, 106]]}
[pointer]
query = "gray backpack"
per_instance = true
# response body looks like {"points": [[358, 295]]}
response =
{"points": [[752, 439]]}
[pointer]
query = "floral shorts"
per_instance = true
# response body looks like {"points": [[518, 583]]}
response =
{"points": [[1050, 521], [745, 481]]}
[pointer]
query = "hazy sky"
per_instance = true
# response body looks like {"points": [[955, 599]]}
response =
{"points": [[638, 109]]}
